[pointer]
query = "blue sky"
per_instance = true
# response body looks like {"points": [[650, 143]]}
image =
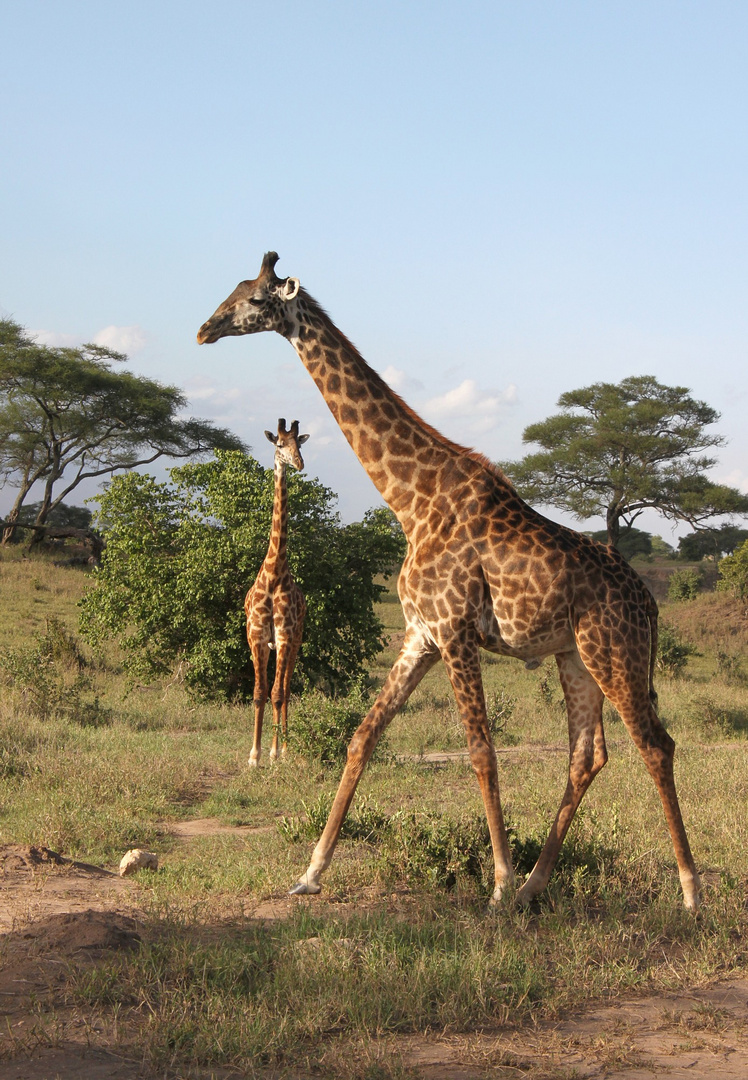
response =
{"points": [[496, 201]]}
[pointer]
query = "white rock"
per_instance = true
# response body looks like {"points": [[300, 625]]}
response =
{"points": [[137, 859]]}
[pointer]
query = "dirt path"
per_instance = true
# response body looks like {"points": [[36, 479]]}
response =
{"points": [[54, 910]]}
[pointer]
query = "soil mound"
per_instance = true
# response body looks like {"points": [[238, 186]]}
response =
{"points": [[16, 858], [72, 932]]}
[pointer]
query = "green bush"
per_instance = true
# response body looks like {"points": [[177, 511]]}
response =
{"points": [[500, 708], [50, 679], [432, 849], [673, 651], [684, 585], [181, 556], [321, 727], [729, 666], [733, 573]]}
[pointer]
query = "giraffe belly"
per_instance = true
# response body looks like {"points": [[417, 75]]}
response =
{"points": [[527, 643]]}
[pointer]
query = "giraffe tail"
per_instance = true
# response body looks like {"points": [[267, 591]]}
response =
{"points": [[652, 614]]}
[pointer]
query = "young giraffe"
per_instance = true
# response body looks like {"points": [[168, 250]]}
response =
{"points": [[275, 604], [483, 570]]}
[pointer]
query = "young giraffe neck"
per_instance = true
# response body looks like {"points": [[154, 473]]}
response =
{"points": [[276, 562], [402, 454]]}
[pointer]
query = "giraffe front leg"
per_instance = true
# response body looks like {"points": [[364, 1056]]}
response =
{"points": [[415, 659], [587, 756], [463, 668], [260, 657]]}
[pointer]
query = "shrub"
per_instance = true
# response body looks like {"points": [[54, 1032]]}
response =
{"points": [[684, 585], [500, 708], [673, 651], [432, 849], [733, 573], [711, 718], [180, 557], [50, 679], [366, 821], [321, 727], [728, 666]]}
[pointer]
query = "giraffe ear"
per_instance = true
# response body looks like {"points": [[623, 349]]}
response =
{"points": [[302, 439], [289, 288], [271, 438]]}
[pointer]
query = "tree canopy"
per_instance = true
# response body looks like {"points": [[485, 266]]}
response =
{"points": [[618, 449], [67, 416], [631, 542], [181, 556], [711, 543]]}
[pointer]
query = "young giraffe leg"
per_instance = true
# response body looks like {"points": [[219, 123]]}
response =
{"points": [[623, 675], [287, 694], [285, 658], [260, 656], [463, 668], [415, 659], [587, 755]]}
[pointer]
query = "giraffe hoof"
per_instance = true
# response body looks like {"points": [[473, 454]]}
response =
{"points": [[254, 763], [501, 894], [302, 889]]}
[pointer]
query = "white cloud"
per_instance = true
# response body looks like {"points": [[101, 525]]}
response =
{"points": [[401, 382], [127, 339], [469, 401], [54, 339], [317, 428], [737, 478], [213, 399]]}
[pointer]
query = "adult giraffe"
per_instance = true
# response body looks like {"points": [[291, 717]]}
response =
{"points": [[275, 605], [483, 569]]}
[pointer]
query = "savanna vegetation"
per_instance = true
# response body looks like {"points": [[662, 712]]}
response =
{"points": [[94, 760]]}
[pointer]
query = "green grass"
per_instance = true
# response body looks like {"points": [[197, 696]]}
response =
{"points": [[400, 939]]}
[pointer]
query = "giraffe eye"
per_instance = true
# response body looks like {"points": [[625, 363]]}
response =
{"points": [[254, 300]]}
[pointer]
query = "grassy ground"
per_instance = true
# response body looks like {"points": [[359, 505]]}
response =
{"points": [[400, 940]]}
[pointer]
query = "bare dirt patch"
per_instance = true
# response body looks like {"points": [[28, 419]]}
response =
{"points": [[188, 830], [36, 883], [696, 1034], [55, 911]]}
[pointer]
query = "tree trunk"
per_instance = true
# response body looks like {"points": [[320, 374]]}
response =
{"points": [[9, 532], [613, 523]]}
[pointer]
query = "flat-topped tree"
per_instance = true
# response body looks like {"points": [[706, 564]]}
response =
{"points": [[483, 569], [275, 605], [66, 415]]}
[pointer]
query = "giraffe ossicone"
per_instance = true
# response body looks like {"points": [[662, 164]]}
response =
{"points": [[483, 570], [275, 605]]}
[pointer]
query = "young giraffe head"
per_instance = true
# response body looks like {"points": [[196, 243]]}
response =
{"points": [[287, 444], [254, 306]]}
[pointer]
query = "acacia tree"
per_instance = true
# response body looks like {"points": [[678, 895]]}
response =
{"points": [[67, 416], [617, 449], [714, 543], [180, 557]]}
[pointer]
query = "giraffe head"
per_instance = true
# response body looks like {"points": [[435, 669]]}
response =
{"points": [[287, 444], [254, 306]]}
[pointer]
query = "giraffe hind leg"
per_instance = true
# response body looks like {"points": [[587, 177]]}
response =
{"points": [[623, 675], [587, 756], [284, 665]]}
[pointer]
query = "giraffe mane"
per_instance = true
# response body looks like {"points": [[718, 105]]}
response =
{"points": [[315, 308]]}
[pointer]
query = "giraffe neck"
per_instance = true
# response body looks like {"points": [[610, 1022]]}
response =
{"points": [[275, 560], [403, 455]]}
